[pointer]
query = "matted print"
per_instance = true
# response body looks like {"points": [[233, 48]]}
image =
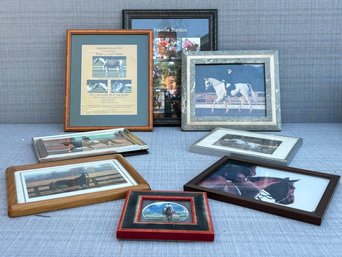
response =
{"points": [[263, 147], [233, 89], [38, 188], [75, 145], [108, 82], [166, 215]]}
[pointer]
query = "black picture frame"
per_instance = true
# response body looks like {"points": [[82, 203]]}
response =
{"points": [[145, 216], [209, 181], [167, 68]]}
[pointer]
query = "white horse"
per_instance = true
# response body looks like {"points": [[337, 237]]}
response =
{"points": [[92, 87], [111, 64], [243, 91], [121, 87]]}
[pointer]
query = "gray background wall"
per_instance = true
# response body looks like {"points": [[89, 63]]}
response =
{"points": [[306, 33]]}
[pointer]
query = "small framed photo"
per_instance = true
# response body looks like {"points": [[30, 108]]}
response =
{"points": [[174, 32], [166, 215], [261, 147], [43, 187], [233, 89], [108, 82], [294, 193], [70, 146]]}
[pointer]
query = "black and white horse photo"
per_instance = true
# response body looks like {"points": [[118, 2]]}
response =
{"points": [[97, 86], [109, 67], [121, 86]]}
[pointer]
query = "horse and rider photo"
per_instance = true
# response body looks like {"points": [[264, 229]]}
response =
{"points": [[191, 44], [109, 67], [72, 178], [230, 90], [246, 143], [154, 211]]}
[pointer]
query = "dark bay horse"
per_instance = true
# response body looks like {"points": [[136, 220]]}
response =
{"points": [[260, 188], [79, 181]]}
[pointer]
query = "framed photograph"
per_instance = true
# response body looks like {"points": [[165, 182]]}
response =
{"points": [[166, 215], [69, 146], [108, 82], [43, 187], [174, 32], [233, 89], [294, 193], [261, 147]]}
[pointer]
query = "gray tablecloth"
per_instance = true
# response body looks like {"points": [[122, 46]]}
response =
{"points": [[90, 230]]}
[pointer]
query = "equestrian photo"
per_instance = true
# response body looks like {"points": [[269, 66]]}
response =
{"points": [[230, 90]]}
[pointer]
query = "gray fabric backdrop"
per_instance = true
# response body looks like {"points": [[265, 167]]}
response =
{"points": [[307, 34]]}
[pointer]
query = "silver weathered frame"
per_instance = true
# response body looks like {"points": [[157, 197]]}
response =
{"points": [[272, 120], [282, 156]]}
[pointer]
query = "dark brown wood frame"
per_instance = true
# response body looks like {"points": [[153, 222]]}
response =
{"points": [[69, 33], [315, 217], [16, 209]]}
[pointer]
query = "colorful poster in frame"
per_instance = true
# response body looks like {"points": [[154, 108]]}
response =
{"points": [[174, 32], [108, 80]]}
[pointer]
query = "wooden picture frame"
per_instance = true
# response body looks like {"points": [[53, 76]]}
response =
{"points": [[166, 215], [75, 145], [285, 191], [108, 82], [262, 147], [231, 89], [175, 31], [44, 187]]}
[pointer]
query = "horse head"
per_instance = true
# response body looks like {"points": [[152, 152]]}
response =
{"points": [[283, 192], [207, 83]]}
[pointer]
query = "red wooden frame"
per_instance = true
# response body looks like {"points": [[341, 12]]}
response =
{"points": [[175, 231]]}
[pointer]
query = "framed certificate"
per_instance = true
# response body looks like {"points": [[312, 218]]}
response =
{"points": [[108, 80], [174, 32]]}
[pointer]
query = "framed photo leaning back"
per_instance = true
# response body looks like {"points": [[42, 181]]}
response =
{"points": [[261, 147], [174, 32], [75, 145], [108, 81], [233, 89], [43, 187], [294, 193], [166, 215]]}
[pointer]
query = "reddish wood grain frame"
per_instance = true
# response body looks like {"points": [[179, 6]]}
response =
{"points": [[315, 217], [172, 231], [69, 34]]}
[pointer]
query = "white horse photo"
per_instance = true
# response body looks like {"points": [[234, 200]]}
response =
{"points": [[121, 87], [91, 87], [111, 64], [224, 93]]}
